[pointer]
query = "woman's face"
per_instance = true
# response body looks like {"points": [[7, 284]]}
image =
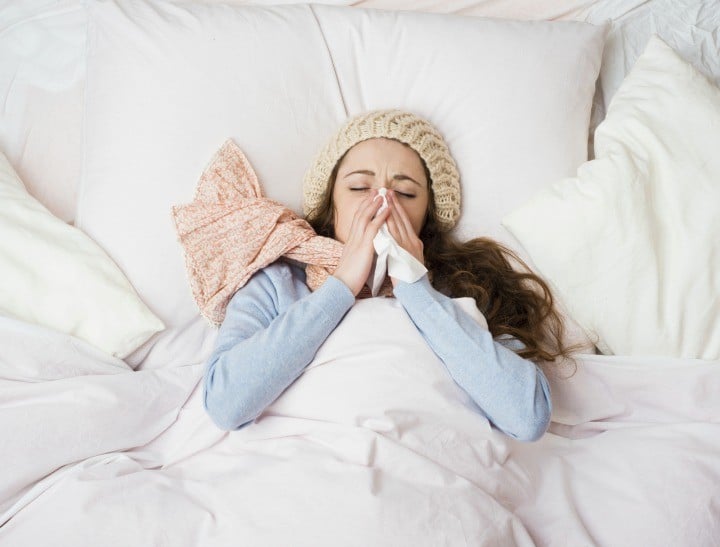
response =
{"points": [[379, 163]]}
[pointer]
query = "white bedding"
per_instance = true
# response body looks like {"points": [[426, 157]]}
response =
{"points": [[43, 54], [365, 448]]}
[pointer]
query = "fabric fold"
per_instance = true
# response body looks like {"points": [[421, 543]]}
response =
{"points": [[230, 231]]}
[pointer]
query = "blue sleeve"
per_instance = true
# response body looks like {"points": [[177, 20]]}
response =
{"points": [[511, 391], [261, 348]]}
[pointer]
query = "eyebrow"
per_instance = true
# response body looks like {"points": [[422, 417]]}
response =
{"points": [[399, 176]]}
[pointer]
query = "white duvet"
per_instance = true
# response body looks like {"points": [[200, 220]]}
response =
{"points": [[373, 445]]}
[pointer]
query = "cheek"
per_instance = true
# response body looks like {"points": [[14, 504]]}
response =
{"points": [[341, 231], [416, 213], [344, 214]]}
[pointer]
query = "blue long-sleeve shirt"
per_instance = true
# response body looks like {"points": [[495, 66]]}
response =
{"points": [[274, 326]]}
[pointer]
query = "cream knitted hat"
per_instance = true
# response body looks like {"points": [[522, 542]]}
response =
{"points": [[404, 127]]}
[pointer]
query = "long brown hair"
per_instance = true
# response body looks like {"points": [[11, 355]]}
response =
{"points": [[515, 302]]}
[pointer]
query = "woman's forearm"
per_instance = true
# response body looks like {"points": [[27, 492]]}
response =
{"points": [[258, 356], [512, 392]]}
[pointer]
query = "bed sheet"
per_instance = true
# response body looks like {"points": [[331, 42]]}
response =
{"points": [[95, 453], [363, 449]]}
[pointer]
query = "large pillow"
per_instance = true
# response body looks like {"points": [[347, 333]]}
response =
{"points": [[168, 83], [632, 243], [55, 276], [42, 81], [42, 76]]}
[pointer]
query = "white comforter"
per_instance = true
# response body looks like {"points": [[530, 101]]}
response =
{"points": [[374, 445]]}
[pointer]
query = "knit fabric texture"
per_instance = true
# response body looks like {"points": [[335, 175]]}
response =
{"points": [[405, 127], [230, 231]]}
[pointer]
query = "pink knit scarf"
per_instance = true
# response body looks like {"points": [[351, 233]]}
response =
{"points": [[230, 230]]}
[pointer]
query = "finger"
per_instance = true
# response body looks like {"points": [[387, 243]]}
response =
{"points": [[374, 208], [367, 226], [360, 212], [370, 208], [375, 224], [372, 211], [393, 220], [399, 224], [392, 227], [404, 218]]}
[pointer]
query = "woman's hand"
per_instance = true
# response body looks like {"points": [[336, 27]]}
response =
{"points": [[359, 252], [401, 229]]}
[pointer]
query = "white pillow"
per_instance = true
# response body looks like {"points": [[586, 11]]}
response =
{"points": [[55, 276], [512, 98], [42, 82], [42, 76], [167, 84], [633, 242]]}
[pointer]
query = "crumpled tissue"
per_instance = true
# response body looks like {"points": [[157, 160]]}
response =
{"points": [[391, 258]]}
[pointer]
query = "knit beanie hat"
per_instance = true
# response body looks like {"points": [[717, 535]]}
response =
{"points": [[405, 127]]}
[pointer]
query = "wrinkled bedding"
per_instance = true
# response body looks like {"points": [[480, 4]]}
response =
{"points": [[374, 444]]}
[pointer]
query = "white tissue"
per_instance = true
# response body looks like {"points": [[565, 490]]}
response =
{"points": [[391, 258]]}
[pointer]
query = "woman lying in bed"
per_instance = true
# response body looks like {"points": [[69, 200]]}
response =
{"points": [[274, 325]]}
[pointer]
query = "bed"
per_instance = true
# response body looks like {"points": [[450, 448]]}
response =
{"points": [[586, 135]]}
